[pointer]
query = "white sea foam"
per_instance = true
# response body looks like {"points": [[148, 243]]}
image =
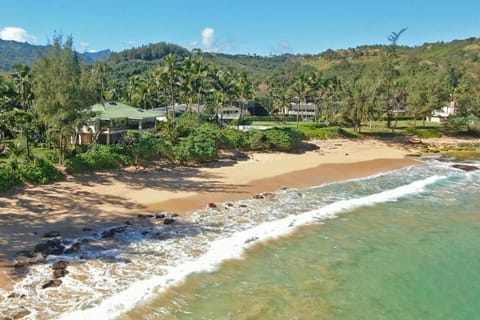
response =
{"points": [[233, 246]]}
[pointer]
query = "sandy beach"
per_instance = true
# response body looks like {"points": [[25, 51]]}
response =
{"points": [[113, 197]]}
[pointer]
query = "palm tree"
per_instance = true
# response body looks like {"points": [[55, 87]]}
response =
{"points": [[301, 89], [245, 92], [281, 98], [170, 76], [22, 78], [227, 90]]}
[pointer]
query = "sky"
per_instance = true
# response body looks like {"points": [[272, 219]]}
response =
{"points": [[262, 27]]}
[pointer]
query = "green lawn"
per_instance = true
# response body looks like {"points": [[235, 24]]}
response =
{"points": [[378, 128]]}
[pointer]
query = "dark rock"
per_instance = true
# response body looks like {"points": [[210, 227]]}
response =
{"points": [[259, 196], [168, 221], [26, 253], [86, 229], [74, 247], [51, 234], [173, 215], [144, 216], [15, 295], [52, 283], [111, 232], [24, 261], [465, 167], [128, 223], [54, 247], [242, 206], [229, 204], [21, 314], [59, 265], [60, 273], [252, 239], [211, 205], [35, 232], [144, 233], [160, 216]]}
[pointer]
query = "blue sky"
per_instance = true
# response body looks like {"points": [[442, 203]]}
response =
{"points": [[262, 27]]}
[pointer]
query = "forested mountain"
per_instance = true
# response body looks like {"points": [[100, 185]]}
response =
{"points": [[150, 52], [13, 53], [102, 55], [459, 54]]}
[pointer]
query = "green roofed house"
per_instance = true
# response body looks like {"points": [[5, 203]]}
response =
{"points": [[111, 120]]}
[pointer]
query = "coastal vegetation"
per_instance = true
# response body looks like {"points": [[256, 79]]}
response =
{"points": [[384, 90]]}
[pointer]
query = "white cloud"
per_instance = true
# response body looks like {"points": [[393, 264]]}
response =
{"points": [[208, 38], [15, 34], [210, 43]]}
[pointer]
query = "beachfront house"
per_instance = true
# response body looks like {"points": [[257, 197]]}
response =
{"points": [[111, 120], [443, 113]]}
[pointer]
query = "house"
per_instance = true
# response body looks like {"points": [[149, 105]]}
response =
{"points": [[303, 109], [443, 113], [111, 120]]}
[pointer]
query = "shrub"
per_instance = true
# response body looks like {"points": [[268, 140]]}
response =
{"points": [[455, 125], [214, 133], [101, 157], [144, 150], [423, 133], [8, 179], [236, 139], [284, 138], [38, 171], [188, 122], [196, 148], [327, 132], [258, 140], [76, 165]]}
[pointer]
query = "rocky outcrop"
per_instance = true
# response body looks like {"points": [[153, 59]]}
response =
{"points": [[75, 247], [168, 221], [26, 261], [51, 234], [465, 167], [60, 269], [112, 231], [52, 283], [53, 246]]}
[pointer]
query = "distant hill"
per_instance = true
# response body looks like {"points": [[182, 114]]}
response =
{"points": [[13, 53], [463, 55], [98, 55]]}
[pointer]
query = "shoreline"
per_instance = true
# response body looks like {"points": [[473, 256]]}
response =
{"points": [[110, 198]]}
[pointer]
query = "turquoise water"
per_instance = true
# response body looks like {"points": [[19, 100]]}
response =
{"points": [[399, 245], [416, 257]]}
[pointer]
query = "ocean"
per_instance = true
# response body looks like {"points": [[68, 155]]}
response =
{"points": [[397, 245]]}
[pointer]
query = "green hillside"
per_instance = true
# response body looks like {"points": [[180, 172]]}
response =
{"points": [[13, 53]]}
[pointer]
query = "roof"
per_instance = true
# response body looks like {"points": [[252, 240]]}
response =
{"points": [[110, 110]]}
